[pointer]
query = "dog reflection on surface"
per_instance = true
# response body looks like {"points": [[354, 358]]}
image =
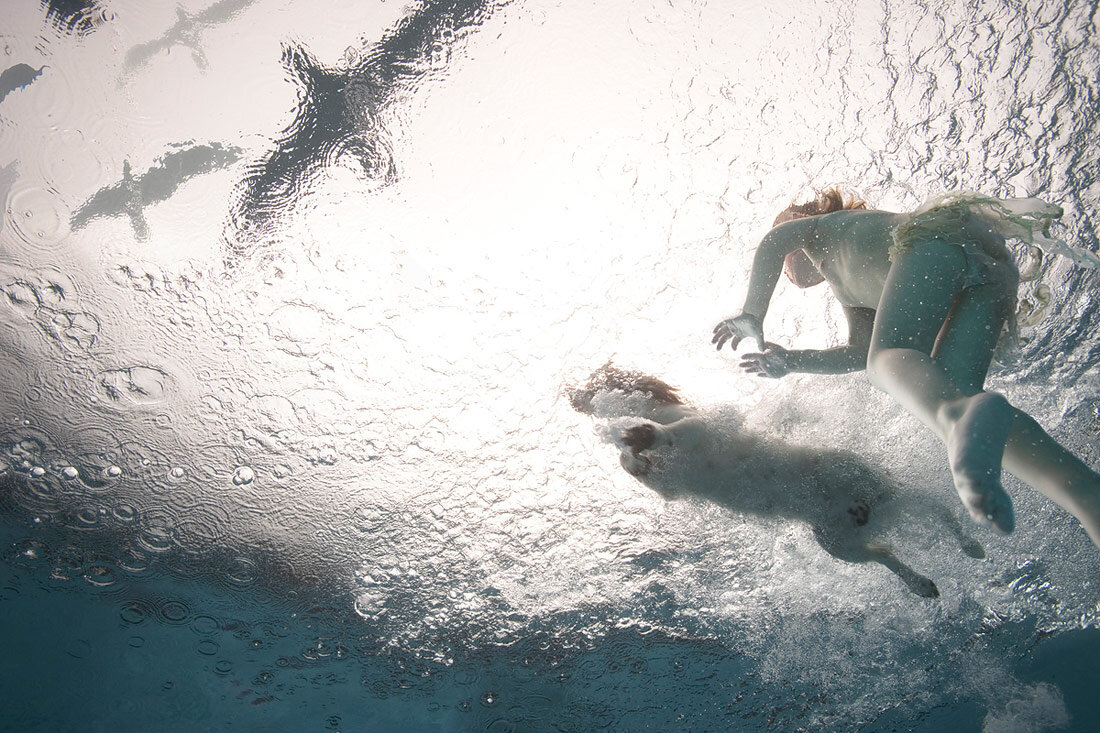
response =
{"points": [[670, 447]]}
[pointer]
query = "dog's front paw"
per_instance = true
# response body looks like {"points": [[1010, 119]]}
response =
{"points": [[640, 437], [635, 464]]}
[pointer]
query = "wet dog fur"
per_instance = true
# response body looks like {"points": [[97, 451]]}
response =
{"points": [[670, 447]]}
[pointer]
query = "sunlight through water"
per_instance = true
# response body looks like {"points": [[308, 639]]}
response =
{"points": [[294, 292]]}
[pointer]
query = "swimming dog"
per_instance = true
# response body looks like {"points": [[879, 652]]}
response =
{"points": [[672, 448]]}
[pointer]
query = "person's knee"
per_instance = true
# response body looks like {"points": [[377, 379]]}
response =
{"points": [[880, 363]]}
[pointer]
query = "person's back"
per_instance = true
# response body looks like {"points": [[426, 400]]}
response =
{"points": [[851, 249]]}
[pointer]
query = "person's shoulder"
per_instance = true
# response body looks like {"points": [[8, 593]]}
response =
{"points": [[795, 227], [856, 214], [858, 217], [791, 235]]}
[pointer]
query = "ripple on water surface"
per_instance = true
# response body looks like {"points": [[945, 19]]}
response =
{"points": [[133, 386], [28, 553], [38, 219]]}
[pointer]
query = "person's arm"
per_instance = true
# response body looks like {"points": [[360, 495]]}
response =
{"points": [[777, 362], [767, 263]]}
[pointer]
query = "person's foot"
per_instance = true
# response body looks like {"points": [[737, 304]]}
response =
{"points": [[975, 447]]}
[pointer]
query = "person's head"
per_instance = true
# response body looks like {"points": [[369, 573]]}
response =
{"points": [[797, 266]]}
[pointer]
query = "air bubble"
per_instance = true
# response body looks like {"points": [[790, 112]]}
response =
{"points": [[113, 471], [243, 476], [70, 472]]}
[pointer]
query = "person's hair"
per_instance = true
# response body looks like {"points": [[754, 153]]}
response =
{"points": [[827, 201], [611, 378]]}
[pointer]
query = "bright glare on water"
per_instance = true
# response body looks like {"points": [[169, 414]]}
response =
{"points": [[292, 293]]}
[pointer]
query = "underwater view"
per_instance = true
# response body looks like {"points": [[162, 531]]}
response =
{"points": [[311, 317]]}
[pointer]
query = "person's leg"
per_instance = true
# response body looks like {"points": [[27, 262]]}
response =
{"points": [[1030, 453], [920, 296], [1039, 461]]}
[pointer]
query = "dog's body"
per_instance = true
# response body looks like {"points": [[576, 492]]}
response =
{"points": [[674, 450]]}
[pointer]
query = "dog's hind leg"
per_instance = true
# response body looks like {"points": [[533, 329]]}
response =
{"points": [[922, 586], [882, 554], [916, 505], [969, 545]]}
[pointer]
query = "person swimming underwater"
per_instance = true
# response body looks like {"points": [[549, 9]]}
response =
{"points": [[926, 295]]}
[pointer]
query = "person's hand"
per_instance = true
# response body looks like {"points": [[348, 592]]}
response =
{"points": [[741, 326], [773, 363]]}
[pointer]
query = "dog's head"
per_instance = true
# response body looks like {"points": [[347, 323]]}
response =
{"points": [[610, 378]]}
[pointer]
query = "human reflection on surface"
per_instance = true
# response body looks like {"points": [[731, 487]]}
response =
{"points": [[670, 447], [339, 111], [927, 294]]}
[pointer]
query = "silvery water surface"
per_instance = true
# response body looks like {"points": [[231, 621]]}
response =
{"points": [[291, 291]]}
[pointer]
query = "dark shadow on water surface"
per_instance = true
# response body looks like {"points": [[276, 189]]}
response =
{"points": [[76, 17], [340, 113], [130, 196], [186, 31], [16, 77]]}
